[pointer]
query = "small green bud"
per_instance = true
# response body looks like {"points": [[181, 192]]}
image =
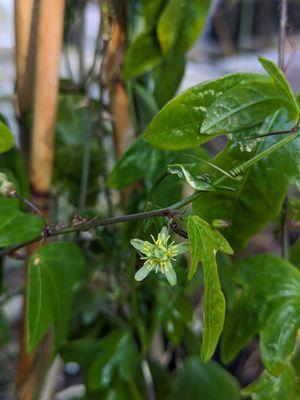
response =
{"points": [[220, 224], [7, 188]]}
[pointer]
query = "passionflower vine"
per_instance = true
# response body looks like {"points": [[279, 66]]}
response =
{"points": [[159, 255]]}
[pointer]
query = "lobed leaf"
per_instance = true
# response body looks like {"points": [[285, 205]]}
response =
{"points": [[204, 242]]}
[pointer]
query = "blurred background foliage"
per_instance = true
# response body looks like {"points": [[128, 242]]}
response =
{"points": [[126, 340]]}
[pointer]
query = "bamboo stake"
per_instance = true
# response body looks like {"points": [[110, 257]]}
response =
{"points": [[24, 11], [45, 94], [49, 28]]}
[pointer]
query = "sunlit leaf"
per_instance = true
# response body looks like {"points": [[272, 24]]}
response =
{"points": [[177, 125]]}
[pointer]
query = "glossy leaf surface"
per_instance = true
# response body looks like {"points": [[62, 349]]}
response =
{"points": [[259, 191], [177, 125], [246, 105], [280, 79], [266, 387]]}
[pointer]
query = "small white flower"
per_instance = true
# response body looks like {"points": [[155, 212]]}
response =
{"points": [[159, 256]]}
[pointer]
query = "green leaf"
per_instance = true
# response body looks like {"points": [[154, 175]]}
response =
{"points": [[151, 10], [142, 55], [266, 387], [204, 242], [167, 77], [169, 74], [117, 355], [169, 24], [244, 106], [269, 305], [177, 125], [279, 77], [194, 19], [204, 382], [256, 200], [294, 253], [133, 165], [53, 271], [6, 138], [15, 226]]}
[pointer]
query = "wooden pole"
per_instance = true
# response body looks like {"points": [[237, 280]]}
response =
{"points": [[112, 79], [24, 12], [49, 28], [50, 31]]}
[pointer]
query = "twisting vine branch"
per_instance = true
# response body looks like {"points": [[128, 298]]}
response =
{"points": [[82, 224]]}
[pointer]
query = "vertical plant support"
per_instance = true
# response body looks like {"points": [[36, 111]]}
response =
{"points": [[112, 78], [50, 17], [24, 10], [45, 93]]}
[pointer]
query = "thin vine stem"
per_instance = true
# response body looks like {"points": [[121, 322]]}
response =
{"points": [[168, 212]]}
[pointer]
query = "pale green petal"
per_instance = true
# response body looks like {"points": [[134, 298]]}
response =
{"points": [[171, 275], [138, 244], [182, 248], [164, 234], [142, 273], [142, 246]]}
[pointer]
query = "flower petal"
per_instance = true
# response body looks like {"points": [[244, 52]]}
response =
{"points": [[142, 273], [138, 244], [171, 275], [164, 234], [182, 247]]}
